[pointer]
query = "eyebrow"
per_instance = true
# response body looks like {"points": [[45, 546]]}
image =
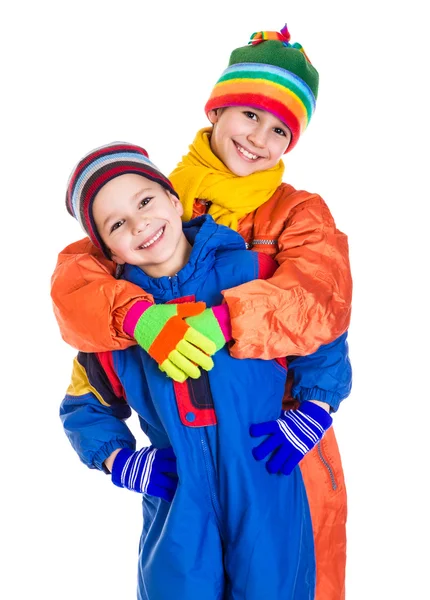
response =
{"points": [[141, 192]]}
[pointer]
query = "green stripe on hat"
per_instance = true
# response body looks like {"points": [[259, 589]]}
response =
{"points": [[279, 79]]}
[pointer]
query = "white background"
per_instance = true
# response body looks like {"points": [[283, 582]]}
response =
{"points": [[78, 75]]}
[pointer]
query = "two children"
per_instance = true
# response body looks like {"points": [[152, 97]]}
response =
{"points": [[234, 528], [258, 109]]}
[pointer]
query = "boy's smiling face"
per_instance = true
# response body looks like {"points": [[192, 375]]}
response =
{"points": [[140, 223], [247, 139]]}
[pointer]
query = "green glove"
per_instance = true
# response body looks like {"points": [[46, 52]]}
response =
{"points": [[162, 331], [214, 324]]}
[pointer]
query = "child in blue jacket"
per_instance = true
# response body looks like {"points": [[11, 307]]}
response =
{"points": [[217, 523]]}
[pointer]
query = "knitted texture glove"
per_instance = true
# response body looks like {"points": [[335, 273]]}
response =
{"points": [[213, 323], [145, 471], [291, 436], [162, 331]]}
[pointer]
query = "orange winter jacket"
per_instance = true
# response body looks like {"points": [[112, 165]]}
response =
{"points": [[305, 304]]}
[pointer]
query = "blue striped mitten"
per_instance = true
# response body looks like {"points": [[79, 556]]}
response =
{"points": [[149, 471], [291, 436]]}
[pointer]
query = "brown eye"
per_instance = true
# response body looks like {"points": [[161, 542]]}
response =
{"points": [[116, 226], [144, 202]]}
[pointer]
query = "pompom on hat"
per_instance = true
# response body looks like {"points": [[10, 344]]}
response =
{"points": [[273, 75], [95, 170]]}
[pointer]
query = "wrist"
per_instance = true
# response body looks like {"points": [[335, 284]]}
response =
{"points": [[323, 405], [119, 462], [222, 315], [133, 315], [111, 459], [316, 412]]}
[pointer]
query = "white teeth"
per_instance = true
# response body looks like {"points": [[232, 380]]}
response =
{"points": [[246, 153], [154, 239]]}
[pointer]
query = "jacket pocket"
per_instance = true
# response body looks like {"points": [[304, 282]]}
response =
{"points": [[194, 401], [329, 459], [324, 460]]}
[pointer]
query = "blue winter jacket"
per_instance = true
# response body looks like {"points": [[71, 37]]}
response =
{"points": [[105, 385]]}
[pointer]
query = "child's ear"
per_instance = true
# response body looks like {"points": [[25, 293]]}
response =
{"points": [[177, 204], [213, 115], [117, 259]]}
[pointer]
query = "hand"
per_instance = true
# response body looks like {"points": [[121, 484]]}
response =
{"points": [[214, 324], [147, 471], [177, 347], [291, 436]]}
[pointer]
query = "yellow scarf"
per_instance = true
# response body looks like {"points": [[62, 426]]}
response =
{"points": [[202, 175]]}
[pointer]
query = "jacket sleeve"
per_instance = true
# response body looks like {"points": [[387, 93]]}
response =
{"points": [[307, 302], [324, 375], [89, 303], [93, 413]]}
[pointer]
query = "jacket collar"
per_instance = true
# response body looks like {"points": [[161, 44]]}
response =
{"points": [[207, 239]]}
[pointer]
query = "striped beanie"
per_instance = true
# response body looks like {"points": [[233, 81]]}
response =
{"points": [[95, 170], [273, 75]]}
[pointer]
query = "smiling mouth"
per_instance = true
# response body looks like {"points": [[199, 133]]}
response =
{"points": [[152, 241], [245, 153]]}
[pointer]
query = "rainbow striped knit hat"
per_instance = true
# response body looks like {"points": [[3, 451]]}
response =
{"points": [[95, 170], [270, 74]]}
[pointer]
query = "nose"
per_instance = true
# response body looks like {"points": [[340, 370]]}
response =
{"points": [[138, 225], [258, 136]]}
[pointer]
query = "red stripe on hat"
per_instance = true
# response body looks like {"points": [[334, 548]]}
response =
{"points": [[258, 101], [105, 151]]}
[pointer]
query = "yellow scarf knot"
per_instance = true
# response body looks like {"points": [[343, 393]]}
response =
{"points": [[201, 175]]}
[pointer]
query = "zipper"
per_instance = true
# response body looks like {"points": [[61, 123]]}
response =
{"points": [[327, 466], [174, 284], [263, 242], [210, 473], [257, 242]]}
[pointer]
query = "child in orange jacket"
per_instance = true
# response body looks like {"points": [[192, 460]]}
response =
{"points": [[258, 110]]}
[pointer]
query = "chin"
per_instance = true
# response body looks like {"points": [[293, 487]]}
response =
{"points": [[239, 169], [244, 170]]}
